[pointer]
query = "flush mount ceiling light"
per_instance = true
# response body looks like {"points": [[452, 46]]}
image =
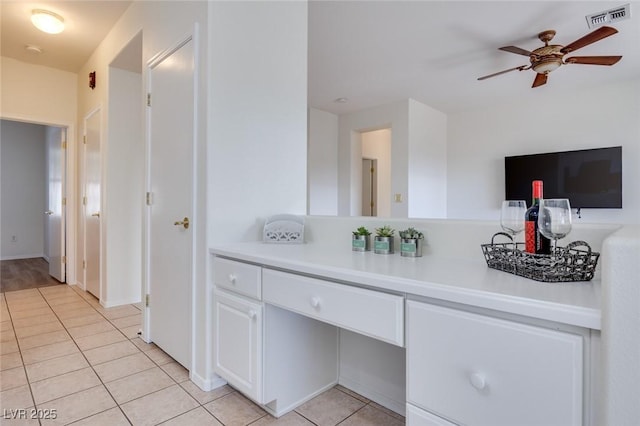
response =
{"points": [[47, 22], [341, 100]]}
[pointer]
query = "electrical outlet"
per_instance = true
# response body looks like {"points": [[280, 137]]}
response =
{"points": [[14, 239]]}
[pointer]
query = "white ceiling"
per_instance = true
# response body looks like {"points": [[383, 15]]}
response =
{"points": [[86, 25], [376, 52]]}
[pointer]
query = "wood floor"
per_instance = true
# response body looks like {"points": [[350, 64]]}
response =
{"points": [[22, 274]]}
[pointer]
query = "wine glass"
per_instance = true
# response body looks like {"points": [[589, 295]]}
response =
{"points": [[512, 217], [554, 219]]}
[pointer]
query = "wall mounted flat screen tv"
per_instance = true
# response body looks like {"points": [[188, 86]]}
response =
{"points": [[589, 178]]}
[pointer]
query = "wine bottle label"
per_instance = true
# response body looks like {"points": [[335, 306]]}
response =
{"points": [[530, 230]]}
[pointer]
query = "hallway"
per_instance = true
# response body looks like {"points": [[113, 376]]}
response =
{"points": [[66, 357], [22, 274]]}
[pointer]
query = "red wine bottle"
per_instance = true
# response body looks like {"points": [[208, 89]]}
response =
{"points": [[534, 241]]}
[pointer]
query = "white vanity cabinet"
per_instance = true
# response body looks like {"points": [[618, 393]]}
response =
{"points": [[238, 346], [473, 369], [238, 326], [277, 358]]}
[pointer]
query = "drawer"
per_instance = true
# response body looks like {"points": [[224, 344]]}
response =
{"points": [[479, 370], [375, 314], [238, 277]]}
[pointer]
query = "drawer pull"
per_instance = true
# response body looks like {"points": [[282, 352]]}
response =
{"points": [[232, 278], [477, 381], [315, 302], [252, 314]]}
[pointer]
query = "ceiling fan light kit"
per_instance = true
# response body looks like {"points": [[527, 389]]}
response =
{"points": [[548, 58]]}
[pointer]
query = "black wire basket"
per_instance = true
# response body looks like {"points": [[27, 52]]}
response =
{"points": [[575, 262]]}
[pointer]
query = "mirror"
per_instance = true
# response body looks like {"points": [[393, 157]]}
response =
{"points": [[408, 141]]}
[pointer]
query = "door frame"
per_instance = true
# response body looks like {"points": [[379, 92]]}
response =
{"points": [[70, 207], [191, 36], [82, 207]]}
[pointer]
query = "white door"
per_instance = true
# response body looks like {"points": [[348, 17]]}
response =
{"points": [[170, 221], [56, 167], [91, 201]]}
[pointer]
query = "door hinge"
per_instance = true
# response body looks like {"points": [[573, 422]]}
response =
{"points": [[149, 198], [146, 301], [64, 144], [84, 264], [84, 139], [373, 170], [148, 99], [64, 201], [64, 259], [84, 201]]}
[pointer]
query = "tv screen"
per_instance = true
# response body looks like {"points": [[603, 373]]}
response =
{"points": [[589, 178]]}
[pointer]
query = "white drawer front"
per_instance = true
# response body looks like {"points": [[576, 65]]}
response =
{"points": [[238, 277], [368, 312], [479, 370]]}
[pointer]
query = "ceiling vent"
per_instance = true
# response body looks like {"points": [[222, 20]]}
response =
{"points": [[609, 16]]}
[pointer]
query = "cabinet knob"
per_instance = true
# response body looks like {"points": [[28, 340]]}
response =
{"points": [[477, 380], [315, 302], [232, 278], [252, 314]]}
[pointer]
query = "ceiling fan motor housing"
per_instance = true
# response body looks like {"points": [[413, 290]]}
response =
{"points": [[546, 59]]}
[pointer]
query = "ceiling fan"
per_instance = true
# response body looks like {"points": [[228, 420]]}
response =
{"points": [[550, 57]]}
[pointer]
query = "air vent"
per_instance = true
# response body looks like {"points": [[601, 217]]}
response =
{"points": [[609, 16]]}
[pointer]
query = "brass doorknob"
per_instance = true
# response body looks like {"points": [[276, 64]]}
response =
{"points": [[48, 212], [184, 222], [96, 214]]}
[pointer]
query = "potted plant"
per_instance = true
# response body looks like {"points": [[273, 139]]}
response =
{"points": [[384, 240], [361, 239], [411, 242]]}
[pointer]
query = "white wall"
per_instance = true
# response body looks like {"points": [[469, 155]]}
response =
{"points": [[124, 160], [258, 115], [43, 95], [427, 165], [376, 144], [322, 163], [480, 139], [23, 189]]}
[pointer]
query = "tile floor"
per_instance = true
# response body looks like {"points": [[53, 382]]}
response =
{"points": [[65, 356]]}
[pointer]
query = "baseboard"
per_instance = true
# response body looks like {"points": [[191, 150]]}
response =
{"points": [[111, 304], [22, 256], [207, 384], [399, 407]]}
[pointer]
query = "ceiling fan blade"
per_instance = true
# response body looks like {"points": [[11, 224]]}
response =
{"points": [[520, 68], [539, 80], [516, 50], [592, 37], [593, 60]]}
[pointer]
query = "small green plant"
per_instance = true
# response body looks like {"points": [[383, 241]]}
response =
{"points": [[385, 231], [362, 231], [411, 234]]}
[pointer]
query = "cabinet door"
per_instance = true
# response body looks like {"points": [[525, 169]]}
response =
{"points": [[238, 343], [479, 370]]}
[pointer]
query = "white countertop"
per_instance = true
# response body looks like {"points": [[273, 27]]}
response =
{"points": [[469, 282]]}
